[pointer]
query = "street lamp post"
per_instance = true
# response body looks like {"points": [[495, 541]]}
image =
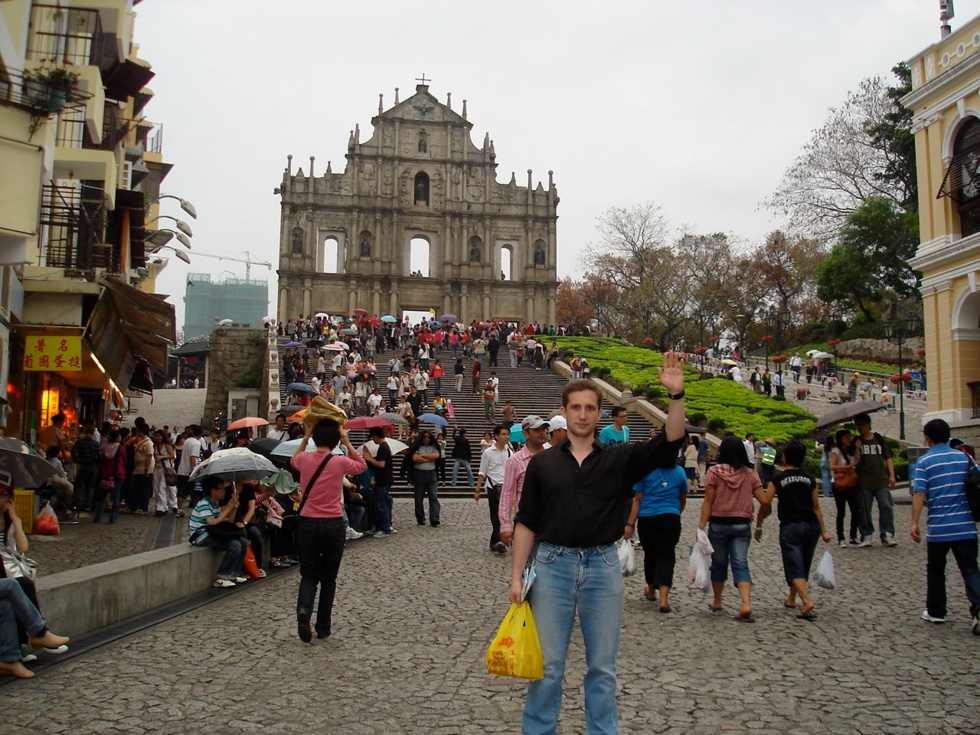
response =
{"points": [[899, 331], [184, 204], [785, 317], [770, 323], [700, 315], [599, 308]]}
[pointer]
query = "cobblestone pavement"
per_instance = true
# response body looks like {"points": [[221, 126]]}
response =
{"points": [[83, 543], [416, 611]]}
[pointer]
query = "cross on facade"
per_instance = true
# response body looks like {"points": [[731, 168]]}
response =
{"points": [[423, 80]]}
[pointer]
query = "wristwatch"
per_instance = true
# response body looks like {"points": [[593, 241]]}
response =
{"points": [[675, 396]]}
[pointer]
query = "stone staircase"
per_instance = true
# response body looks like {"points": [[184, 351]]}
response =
{"points": [[531, 391]]}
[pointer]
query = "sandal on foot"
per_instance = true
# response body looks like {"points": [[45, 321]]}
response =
{"points": [[666, 609], [715, 609], [745, 618]]}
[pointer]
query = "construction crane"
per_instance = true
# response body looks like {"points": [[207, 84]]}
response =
{"points": [[247, 260]]}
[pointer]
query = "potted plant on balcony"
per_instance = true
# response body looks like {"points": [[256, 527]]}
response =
{"points": [[49, 88]]}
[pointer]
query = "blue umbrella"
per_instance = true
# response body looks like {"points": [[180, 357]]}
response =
{"points": [[293, 343], [389, 318], [431, 418], [517, 433], [300, 388]]}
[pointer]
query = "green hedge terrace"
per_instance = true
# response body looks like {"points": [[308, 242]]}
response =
{"points": [[725, 405]]}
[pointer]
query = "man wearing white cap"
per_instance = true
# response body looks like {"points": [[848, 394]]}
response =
{"points": [[535, 433], [559, 430]]}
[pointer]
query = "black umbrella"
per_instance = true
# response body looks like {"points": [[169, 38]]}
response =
{"points": [[846, 412], [264, 446], [313, 343], [27, 468]]}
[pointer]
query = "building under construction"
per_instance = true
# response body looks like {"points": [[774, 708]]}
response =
{"points": [[206, 303]]}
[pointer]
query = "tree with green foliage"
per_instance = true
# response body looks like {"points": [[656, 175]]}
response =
{"points": [[869, 264]]}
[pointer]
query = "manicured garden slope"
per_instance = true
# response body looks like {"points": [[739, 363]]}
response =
{"points": [[720, 404]]}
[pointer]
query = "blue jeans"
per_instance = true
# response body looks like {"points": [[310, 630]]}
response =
{"points": [[457, 463], [886, 510], [320, 543], [965, 553], [231, 562], [16, 606], [426, 483], [731, 545], [826, 478], [100, 496], [382, 508], [590, 582]]}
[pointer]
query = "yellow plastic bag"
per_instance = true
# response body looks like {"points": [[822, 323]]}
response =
{"points": [[516, 650]]}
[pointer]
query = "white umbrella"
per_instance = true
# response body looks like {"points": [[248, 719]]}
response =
{"points": [[320, 315], [226, 322], [820, 355], [268, 319], [235, 464]]}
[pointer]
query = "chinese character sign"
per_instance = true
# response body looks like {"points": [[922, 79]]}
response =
{"points": [[54, 353]]}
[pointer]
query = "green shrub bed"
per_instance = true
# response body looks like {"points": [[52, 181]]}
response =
{"points": [[722, 405]]}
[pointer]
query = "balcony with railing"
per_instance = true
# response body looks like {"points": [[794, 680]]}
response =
{"points": [[68, 36], [73, 227]]}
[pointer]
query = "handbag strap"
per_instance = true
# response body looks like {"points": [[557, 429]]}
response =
{"points": [[309, 487]]}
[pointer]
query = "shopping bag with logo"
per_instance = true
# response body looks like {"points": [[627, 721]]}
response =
{"points": [[824, 576], [516, 650], [46, 523]]}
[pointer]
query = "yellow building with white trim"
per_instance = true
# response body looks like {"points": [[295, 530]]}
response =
{"points": [[945, 101]]}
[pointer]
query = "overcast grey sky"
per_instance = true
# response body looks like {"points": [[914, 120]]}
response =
{"points": [[697, 106]]}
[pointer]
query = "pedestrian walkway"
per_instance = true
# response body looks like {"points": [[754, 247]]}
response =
{"points": [[416, 611]]}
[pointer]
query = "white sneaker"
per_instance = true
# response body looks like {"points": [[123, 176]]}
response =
{"points": [[56, 651], [930, 619], [842, 544], [865, 542], [223, 583], [353, 535], [888, 540], [976, 625]]}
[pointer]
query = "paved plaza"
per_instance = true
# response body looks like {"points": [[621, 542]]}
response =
{"points": [[416, 611]]}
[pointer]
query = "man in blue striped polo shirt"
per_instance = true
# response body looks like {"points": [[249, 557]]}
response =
{"points": [[939, 486]]}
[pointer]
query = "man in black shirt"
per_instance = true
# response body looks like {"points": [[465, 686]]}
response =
{"points": [[572, 506], [382, 464]]}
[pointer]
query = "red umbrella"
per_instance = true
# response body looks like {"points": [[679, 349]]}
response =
{"points": [[246, 423], [362, 312], [648, 340], [366, 422]]}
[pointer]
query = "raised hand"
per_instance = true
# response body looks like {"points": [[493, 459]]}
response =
{"points": [[672, 373]]}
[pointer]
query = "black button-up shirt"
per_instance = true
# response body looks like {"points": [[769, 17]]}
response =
{"points": [[568, 505]]}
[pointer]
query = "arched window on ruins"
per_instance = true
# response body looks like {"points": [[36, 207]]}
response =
{"points": [[423, 142], [540, 254], [506, 263], [331, 251], [422, 188], [296, 245], [364, 244], [419, 257], [476, 249]]}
